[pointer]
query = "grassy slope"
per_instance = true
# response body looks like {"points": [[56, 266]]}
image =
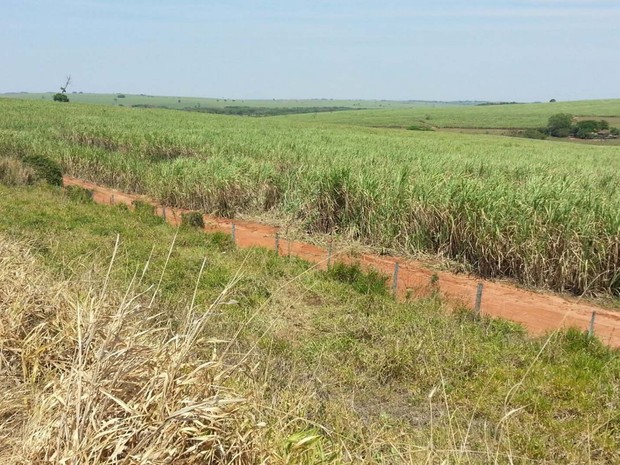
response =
{"points": [[532, 115], [390, 382], [545, 214]]}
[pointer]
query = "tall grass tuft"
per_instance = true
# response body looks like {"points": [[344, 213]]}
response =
{"points": [[89, 376], [14, 173]]}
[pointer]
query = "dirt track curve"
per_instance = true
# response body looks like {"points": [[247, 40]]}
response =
{"points": [[539, 313]]}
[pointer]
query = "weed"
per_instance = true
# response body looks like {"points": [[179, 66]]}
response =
{"points": [[146, 212], [143, 209], [581, 342], [434, 284], [221, 241], [370, 282], [79, 194], [193, 219]]}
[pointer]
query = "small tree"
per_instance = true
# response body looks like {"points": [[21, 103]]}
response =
{"points": [[62, 95], [560, 125]]}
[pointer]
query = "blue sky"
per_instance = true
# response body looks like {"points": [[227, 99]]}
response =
{"points": [[390, 49]]}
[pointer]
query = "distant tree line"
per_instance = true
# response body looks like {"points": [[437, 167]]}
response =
{"points": [[253, 111], [497, 103], [265, 111], [566, 125]]}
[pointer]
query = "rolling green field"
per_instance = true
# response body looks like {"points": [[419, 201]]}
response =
{"points": [[180, 103], [542, 213], [513, 116], [306, 366]]}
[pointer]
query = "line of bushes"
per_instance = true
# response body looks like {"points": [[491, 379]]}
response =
{"points": [[564, 125]]}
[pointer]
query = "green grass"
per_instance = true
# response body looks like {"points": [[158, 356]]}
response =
{"points": [[180, 103], [376, 113], [388, 382], [363, 282], [519, 116], [543, 213]]}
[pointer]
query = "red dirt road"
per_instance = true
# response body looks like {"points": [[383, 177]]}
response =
{"points": [[539, 313]]}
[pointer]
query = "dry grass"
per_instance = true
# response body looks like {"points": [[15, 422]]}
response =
{"points": [[90, 377], [14, 173]]}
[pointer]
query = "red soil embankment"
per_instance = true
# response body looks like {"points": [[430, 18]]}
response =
{"points": [[539, 313]]}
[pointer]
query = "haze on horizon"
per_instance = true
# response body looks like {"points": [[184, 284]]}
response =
{"points": [[394, 49]]}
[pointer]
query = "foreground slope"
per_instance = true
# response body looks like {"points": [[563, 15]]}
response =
{"points": [[335, 374]]}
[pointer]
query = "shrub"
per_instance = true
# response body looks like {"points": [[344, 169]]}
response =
{"points": [[193, 219], [591, 129], [45, 168], [586, 129], [533, 134], [418, 127], [142, 207], [61, 97], [146, 212], [560, 124], [562, 132], [79, 194]]}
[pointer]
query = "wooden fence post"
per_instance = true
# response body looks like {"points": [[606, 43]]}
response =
{"points": [[478, 299], [395, 279], [329, 255], [591, 328]]}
